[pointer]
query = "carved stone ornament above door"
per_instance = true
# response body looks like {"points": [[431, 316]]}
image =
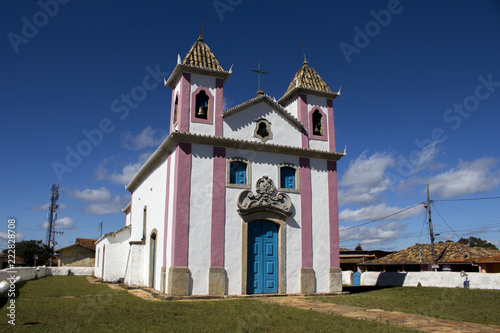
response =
{"points": [[264, 200]]}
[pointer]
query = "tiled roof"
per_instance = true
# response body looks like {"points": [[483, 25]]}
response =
{"points": [[445, 253], [85, 242], [487, 259], [308, 78], [200, 55]]}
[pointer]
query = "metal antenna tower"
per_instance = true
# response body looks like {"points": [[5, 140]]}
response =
{"points": [[52, 215]]}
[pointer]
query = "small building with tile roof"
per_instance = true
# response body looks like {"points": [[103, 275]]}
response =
{"points": [[236, 201], [450, 256], [80, 254]]}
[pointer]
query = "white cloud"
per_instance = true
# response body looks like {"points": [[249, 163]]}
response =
{"points": [[474, 177], [114, 205], [101, 201], [365, 179], [61, 206], [91, 195], [146, 139], [62, 223], [377, 211], [226, 103], [126, 173], [372, 234], [4, 236]]}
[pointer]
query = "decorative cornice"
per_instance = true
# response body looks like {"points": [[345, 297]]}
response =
{"points": [[264, 200], [127, 208], [308, 91], [175, 137], [269, 101], [182, 68]]}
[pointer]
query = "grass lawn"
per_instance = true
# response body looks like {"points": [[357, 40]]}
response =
{"points": [[43, 306], [471, 305]]}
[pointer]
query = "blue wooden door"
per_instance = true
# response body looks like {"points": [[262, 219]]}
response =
{"points": [[355, 279], [262, 269]]}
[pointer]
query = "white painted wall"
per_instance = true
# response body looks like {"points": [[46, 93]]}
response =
{"points": [[292, 108], [431, 279], [320, 224], [30, 273], [263, 164], [151, 193], [242, 126], [116, 250], [200, 217]]}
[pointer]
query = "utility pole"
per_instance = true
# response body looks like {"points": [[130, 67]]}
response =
{"points": [[100, 229], [434, 265]]}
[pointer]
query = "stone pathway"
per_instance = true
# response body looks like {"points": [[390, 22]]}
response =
{"points": [[406, 320]]}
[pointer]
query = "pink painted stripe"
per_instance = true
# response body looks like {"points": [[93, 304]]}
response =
{"points": [[183, 109], [331, 127], [219, 95], [165, 223], [306, 212], [302, 113], [218, 208], [180, 219], [333, 213]]}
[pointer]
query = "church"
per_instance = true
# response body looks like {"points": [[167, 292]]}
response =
{"points": [[237, 201]]}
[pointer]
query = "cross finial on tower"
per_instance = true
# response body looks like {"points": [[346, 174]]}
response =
{"points": [[260, 72], [201, 32], [303, 55]]}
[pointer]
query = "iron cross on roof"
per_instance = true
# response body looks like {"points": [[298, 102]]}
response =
{"points": [[260, 72]]}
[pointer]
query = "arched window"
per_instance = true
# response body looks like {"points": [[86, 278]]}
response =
{"points": [[317, 122], [287, 177], [201, 110], [144, 222], [238, 173], [176, 105]]}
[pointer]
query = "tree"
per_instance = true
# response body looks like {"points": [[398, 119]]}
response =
{"points": [[477, 242], [27, 249], [358, 247]]}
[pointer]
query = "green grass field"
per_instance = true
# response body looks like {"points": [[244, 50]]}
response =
{"points": [[471, 305], [43, 306]]}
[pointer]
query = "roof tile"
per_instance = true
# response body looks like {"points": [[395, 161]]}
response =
{"points": [[445, 253], [201, 56]]}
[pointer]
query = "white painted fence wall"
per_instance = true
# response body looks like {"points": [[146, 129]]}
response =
{"points": [[426, 279], [30, 273]]}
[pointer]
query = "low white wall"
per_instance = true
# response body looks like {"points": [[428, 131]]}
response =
{"points": [[347, 279], [30, 273], [431, 279]]}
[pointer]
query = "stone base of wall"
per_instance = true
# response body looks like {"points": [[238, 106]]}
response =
{"points": [[178, 281], [163, 278], [307, 281], [335, 275], [217, 281]]}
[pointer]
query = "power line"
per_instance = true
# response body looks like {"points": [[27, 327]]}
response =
{"points": [[468, 199], [382, 218], [442, 218]]}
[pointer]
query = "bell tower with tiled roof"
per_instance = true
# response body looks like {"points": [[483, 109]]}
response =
{"points": [[310, 99], [197, 83]]}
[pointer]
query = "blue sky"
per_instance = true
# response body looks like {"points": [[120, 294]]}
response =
{"points": [[419, 104]]}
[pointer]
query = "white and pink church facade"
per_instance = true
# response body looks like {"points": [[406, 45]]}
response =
{"points": [[237, 201]]}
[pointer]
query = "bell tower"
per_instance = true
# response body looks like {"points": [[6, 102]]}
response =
{"points": [[197, 92], [310, 99]]}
